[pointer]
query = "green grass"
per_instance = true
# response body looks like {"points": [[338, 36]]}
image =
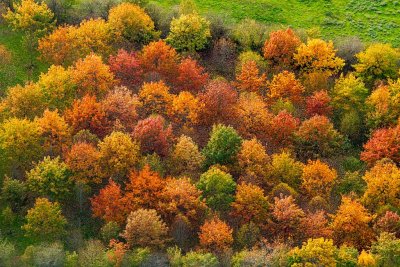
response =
{"points": [[371, 20], [18, 71]]}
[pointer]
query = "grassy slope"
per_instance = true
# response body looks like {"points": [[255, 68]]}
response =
{"points": [[377, 20]]}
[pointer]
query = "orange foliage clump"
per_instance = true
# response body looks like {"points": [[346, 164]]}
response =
{"points": [[155, 97], [215, 235], [249, 78], [318, 104], [318, 179], [191, 76], [285, 86], [282, 128], [126, 68]]}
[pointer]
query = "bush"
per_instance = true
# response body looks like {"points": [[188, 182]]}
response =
{"points": [[14, 193], [45, 255], [250, 258], [249, 34], [93, 254], [247, 235], [110, 231], [136, 257], [7, 253]]}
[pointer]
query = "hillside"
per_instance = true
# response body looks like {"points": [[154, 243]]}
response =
{"points": [[370, 20]]}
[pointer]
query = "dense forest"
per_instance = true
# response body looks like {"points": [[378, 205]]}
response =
{"points": [[134, 134]]}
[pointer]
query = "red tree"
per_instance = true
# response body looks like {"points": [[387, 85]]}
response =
{"points": [[282, 128], [126, 68], [191, 76], [318, 104]]}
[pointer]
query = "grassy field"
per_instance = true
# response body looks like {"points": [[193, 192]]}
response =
{"points": [[371, 20]]}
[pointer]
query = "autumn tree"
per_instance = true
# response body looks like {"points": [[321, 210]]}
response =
{"points": [[186, 159], [92, 76], [383, 185], [145, 228], [191, 76], [118, 155], [143, 189], [50, 178], [219, 100], [252, 161], [223, 146], [284, 167], [280, 47], [34, 19], [18, 154], [316, 224], [249, 78], [286, 218], [383, 143], [217, 188], [378, 62], [44, 221], [189, 33], [389, 222], [155, 97], [215, 235], [131, 24], [282, 129], [159, 61], [351, 224], [153, 135], [55, 131], [386, 250], [316, 137], [87, 114], [318, 179], [126, 68], [252, 116], [83, 161], [109, 204], [319, 103], [314, 252], [250, 204], [184, 110], [366, 259], [285, 86], [121, 109], [180, 198]]}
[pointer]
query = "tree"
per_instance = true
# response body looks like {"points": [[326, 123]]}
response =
{"points": [[383, 185], [366, 259], [317, 137], [316, 225], [159, 61], [314, 252], [319, 104], [191, 76], [223, 146], [131, 24], [120, 107], [285, 86], [186, 159], [45, 221], [118, 155], [351, 224], [384, 143], [250, 204], [143, 189], [318, 179], [34, 19], [217, 188], [249, 78], [92, 76], [83, 161], [189, 33], [285, 168], [50, 178], [126, 68], [19, 153], [349, 94], [286, 218], [249, 34], [215, 235], [219, 100], [180, 198], [389, 222], [155, 97], [55, 131], [109, 204], [386, 250], [280, 47], [87, 114], [184, 109], [145, 228], [378, 62], [252, 161], [282, 129], [153, 135]]}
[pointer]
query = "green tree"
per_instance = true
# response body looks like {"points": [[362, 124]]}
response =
{"points": [[218, 189], [50, 178], [223, 146], [387, 250], [45, 221], [189, 33]]}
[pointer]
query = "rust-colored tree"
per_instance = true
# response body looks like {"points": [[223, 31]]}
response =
{"points": [[126, 68], [249, 78], [191, 76], [215, 235]]}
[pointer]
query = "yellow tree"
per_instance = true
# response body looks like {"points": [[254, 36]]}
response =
{"points": [[184, 109], [285, 86], [249, 78], [155, 97], [318, 179]]}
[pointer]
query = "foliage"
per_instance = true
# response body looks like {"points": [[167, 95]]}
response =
{"points": [[250, 34], [215, 235], [189, 32], [126, 68], [316, 252], [155, 97], [191, 76], [386, 250], [285, 86], [145, 228], [217, 188], [285, 168], [249, 79], [319, 104], [318, 178]]}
